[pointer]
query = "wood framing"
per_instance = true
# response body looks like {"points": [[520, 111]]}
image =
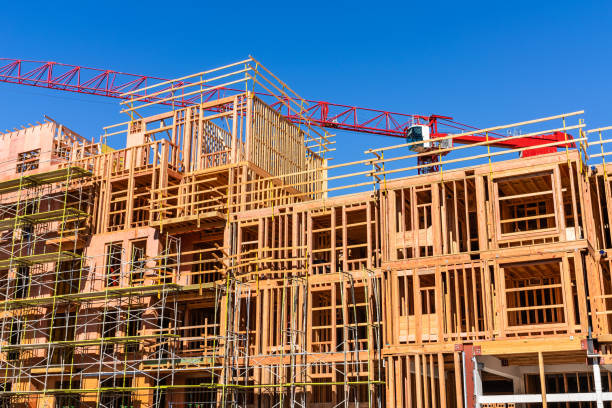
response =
{"points": [[219, 259]]}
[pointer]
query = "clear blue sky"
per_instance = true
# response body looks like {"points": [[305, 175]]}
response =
{"points": [[482, 63]]}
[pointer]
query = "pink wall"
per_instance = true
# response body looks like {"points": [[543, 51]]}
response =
{"points": [[23, 140]]}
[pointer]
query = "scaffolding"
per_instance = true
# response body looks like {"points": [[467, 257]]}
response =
{"points": [[71, 328], [253, 342]]}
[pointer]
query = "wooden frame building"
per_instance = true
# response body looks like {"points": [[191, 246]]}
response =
{"points": [[217, 260]]}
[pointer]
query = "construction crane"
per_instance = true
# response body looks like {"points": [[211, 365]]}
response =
{"points": [[413, 128]]}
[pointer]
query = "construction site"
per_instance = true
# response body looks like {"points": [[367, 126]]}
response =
{"points": [[220, 258]]}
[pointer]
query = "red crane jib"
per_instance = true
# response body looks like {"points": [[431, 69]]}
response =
{"points": [[113, 84]]}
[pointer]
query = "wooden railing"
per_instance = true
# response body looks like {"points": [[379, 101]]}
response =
{"points": [[132, 159], [215, 159]]}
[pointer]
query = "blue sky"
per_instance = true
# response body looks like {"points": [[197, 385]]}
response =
{"points": [[483, 63]]}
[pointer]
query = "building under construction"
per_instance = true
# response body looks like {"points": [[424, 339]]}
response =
{"points": [[219, 259]]}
